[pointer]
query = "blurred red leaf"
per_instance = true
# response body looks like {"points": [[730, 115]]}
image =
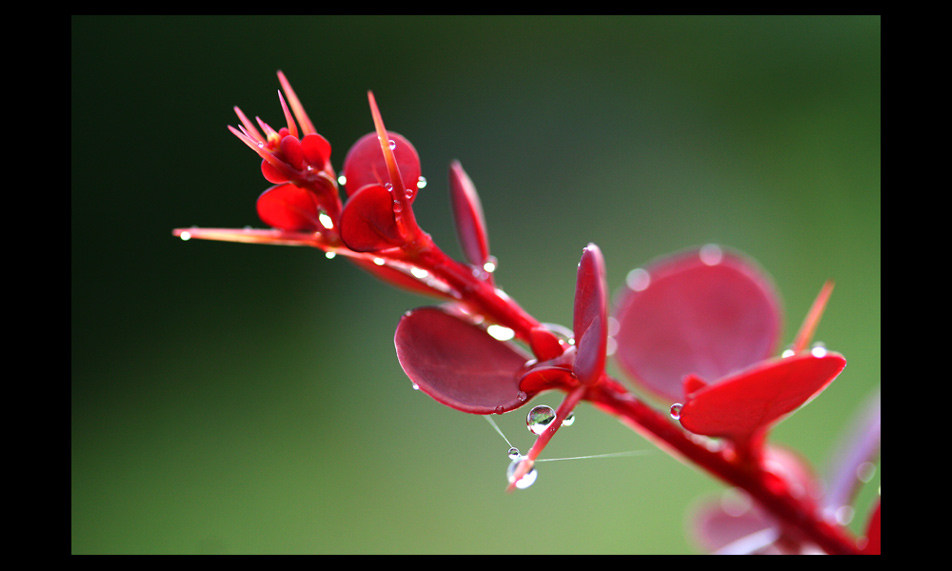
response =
{"points": [[708, 312], [742, 404]]}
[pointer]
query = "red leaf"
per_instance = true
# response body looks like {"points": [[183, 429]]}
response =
{"points": [[367, 223], [458, 363], [707, 312], [316, 149], [739, 406], [365, 163], [289, 208], [873, 533], [468, 214], [590, 319]]}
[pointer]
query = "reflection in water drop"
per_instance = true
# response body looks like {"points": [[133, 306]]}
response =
{"points": [[569, 420], [514, 453], [676, 410], [526, 480], [539, 418]]}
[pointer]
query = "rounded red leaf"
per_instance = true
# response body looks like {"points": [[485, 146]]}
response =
{"points": [[458, 363], [365, 164], [316, 149], [751, 400], [708, 312], [289, 208], [367, 223]]}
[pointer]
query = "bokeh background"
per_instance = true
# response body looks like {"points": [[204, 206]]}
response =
{"points": [[235, 398]]}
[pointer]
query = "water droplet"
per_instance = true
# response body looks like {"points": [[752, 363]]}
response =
{"points": [[818, 350], [392, 144], [638, 279], [514, 453], [416, 387], [711, 254], [342, 180], [787, 353], [330, 255], [185, 236], [421, 182], [865, 472], [569, 420], [524, 482], [491, 264], [419, 273], [539, 418], [379, 261], [326, 221], [388, 186], [676, 410], [521, 396]]}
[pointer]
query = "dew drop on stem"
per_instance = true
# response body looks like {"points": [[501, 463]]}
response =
{"points": [[527, 480]]}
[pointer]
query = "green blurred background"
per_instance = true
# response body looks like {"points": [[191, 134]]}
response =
{"points": [[247, 399]]}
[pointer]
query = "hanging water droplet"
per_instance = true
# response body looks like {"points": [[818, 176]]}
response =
{"points": [[342, 180], [569, 420], [539, 418], [521, 396], [330, 255], [185, 236], [388, 186], [638, 279], [514, 453], [676, 410], [491, 264], [711, 254], [787, 353], [421, 182], [392, 144], [527, 480], [416, 387]]}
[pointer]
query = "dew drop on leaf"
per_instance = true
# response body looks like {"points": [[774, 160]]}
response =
{"points": [[676, 410], [539, 418]]}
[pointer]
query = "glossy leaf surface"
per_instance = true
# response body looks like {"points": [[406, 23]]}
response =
{"points": [[590, 317], [365, 163], [458, 363], [367, 223], [289, 207], [707, 312]]}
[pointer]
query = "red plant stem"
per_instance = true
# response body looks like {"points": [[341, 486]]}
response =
{"points": [[792, 512], [611, 396]]}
